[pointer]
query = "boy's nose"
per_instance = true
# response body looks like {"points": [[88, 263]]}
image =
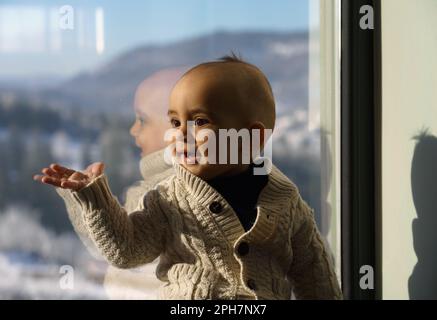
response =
{"points": [[183, 130], [186, 130], [133, 129]]}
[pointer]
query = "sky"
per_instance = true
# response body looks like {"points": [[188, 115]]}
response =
{"points": [[40, 37]]}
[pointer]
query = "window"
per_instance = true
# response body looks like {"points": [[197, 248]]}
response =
{"points": [[75, 77]]}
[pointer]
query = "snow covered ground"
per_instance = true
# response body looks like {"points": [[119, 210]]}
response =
{"points": [[38, 264]]}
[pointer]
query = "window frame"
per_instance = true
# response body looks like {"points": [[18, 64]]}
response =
{"points": [[360, 150]]}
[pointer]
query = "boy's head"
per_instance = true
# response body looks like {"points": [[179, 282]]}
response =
{"points": [[224, 94], [151, 106]]}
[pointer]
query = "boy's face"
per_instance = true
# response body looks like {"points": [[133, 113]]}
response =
{"points": [[151, 106], [212, 101], [145, 129]]}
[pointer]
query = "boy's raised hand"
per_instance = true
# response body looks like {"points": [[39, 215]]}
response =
{"points": [[66, 178]]}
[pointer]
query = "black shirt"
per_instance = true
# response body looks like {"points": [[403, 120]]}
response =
{"points": [[241, 191]]}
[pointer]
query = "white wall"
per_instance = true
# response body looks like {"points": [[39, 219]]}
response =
{"points": [[409, 43]]}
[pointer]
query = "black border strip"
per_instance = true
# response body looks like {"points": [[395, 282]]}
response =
{"points": [[378, 149], [360, 155]]}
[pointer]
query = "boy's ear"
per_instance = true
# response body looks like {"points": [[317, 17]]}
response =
{"points": [[259, 125]]}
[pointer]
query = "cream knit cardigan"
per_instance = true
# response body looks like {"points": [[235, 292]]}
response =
{"points": [[198, 237]]}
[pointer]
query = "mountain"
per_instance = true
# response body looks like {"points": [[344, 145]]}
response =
{"points": [[33, 83], [282, 56]]}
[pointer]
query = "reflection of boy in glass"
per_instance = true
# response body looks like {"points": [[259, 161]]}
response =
{"points": [[150, 106]]}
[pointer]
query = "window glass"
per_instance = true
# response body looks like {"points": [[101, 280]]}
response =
{"points": [[78, 83]]}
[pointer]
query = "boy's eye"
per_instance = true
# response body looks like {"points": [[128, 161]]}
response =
{"points": [[142, 121], [200, 122], [175, 123]]}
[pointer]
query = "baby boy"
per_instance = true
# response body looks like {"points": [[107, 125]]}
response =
{"points": [[220, 231]]}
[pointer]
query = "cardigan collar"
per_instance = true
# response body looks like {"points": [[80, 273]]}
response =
{"points": [[272, 205], [278, 185], [273, 200]]}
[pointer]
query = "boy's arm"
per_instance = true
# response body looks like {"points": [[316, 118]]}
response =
{"points": [[312, 272], [125, 240], [75, 215], [152, 166]]}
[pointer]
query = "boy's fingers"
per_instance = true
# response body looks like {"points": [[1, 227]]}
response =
{"points": [[66, 178], [78, 176], [61, 170], [74, 185], [50, 172], [52, 181], [38, 177]]}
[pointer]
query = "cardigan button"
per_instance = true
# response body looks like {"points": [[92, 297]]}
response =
{"points": [[215, 207], [243, 248], [251, 284]]}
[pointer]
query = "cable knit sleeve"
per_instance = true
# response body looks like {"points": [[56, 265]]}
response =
{"points": [[126, 240], [75, 215], [312, 272]]}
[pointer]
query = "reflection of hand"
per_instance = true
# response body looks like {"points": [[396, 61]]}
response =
{"points": [[66, 178]]}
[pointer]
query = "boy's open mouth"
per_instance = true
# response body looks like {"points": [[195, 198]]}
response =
{"points": [[186, 158]]}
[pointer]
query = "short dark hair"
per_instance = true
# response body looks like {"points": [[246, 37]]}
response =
{"points": [[232, 57]]}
